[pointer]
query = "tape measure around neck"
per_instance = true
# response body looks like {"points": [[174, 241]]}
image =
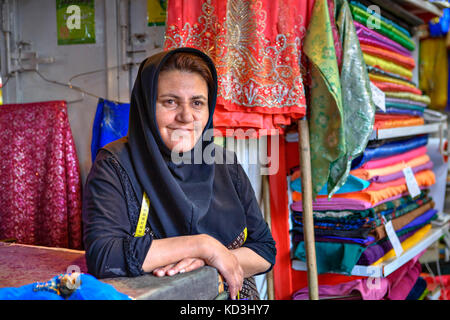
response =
{"points": [[143, 215]]}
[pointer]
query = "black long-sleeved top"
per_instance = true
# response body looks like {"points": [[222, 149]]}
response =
{"points": [[111, 210]]}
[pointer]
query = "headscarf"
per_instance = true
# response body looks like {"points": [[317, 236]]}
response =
{"points": [[184, 198]]}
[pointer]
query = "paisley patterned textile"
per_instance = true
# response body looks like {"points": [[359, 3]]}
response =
{"points": [[40, 187], [249, 290], [256, 47], [341, 107]]}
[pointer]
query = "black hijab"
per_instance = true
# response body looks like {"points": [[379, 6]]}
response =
{"points": [[184, 198]]}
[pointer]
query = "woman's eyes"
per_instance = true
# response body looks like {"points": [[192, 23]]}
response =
{"points": [[173, 103]]}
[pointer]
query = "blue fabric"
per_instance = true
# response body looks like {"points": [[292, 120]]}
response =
{"points": [[389, 149], [110, 124], [89, 289], [353, 184], [409, 112], [419, 288]]}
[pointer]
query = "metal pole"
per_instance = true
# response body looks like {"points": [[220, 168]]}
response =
{"points": [[308, 223]]}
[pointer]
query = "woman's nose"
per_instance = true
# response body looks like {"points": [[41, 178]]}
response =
{"points": [[185, 114]]}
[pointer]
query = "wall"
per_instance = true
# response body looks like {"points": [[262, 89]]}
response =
{"points": [[34, 22]]}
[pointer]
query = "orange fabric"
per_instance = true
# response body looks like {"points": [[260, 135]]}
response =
{"points": [[424, 178], [400, 59], [386, 121], [389, 86], [367, 174]]}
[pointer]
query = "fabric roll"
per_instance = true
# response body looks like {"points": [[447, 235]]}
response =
{"points": [[372, 37], [374, 186], [386, 29], [404, 61], [396, 159], [396, 87], [352, 184], [419, 288], [390, 149], [402, 221], [385, 121], [408, 243], [386, 78], [385, 19], [387, 65], [411, 103], [377, 71], [393, 110], [424, 178], [333, 257], [110, 123], [389, 177], [403, 279], [409, 96], [366, 288]]}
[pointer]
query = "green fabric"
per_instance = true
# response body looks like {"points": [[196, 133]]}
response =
{"points": [[326, 111], [333, 256], [405, 106], [385, 29], [341, 108], [389, 22], [359, 109]]}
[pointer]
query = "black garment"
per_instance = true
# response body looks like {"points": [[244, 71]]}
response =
{"points": [[185, 199]]}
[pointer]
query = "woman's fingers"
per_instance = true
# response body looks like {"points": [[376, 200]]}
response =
{"points": [[160, 272], [186, 265]]}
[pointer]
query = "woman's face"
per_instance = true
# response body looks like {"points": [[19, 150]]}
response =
{"points": [[181, 108]]}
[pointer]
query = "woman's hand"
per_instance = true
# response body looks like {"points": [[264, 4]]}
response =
{"points": [[185, 265], [218, 256]]}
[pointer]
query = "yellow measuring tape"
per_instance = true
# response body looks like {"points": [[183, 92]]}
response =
{"points": [[142, 222]]}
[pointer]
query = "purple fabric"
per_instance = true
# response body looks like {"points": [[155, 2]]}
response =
{"points": [[376, 251], [406, 101], [368, 288], [420, 220], [363, 242], [398, 175], [403, 279], [379, 40], [336, 204], [393, 110]]}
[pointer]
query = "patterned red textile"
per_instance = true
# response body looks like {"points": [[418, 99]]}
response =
{"points": [[40, 186], [256, 47]]}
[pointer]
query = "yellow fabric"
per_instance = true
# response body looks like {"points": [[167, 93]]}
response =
{"points": [[377, 77], [408, 243], [409, 96], [387, 65], [433, 71]]}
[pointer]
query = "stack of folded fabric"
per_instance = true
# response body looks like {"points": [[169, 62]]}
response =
{"points": [[350, 226], [387, 49]]}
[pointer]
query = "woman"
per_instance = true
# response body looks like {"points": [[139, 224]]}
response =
{"points": [[198, 213]]}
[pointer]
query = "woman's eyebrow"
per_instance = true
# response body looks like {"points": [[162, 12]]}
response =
{"points": [[198, 97]]}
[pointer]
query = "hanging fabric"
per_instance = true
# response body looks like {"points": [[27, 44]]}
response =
{"points": [[40, 187], [110, 124], [342, 111], [433, 81], [256, 47]]}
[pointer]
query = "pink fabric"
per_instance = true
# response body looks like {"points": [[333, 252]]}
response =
{"points": [[40, 198], [369, 289], [389, 161], [403, 279], [377, 39]]}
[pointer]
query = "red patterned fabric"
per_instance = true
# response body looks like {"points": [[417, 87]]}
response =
{"points": [[40, 187], [256, 47]]}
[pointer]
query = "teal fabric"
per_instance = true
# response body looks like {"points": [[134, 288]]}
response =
{"points": [[352, 184], [333, 256]]}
